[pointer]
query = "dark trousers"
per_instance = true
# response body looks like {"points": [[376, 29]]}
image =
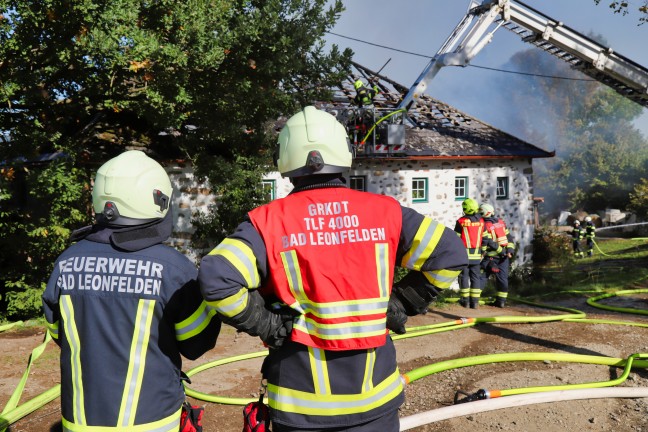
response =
{"points": [[502, 264], [387, 423], [470, 276]]}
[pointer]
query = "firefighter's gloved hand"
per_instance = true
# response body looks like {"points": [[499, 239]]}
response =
{"points": [[282, 325], [273, 327], [396, 316], [415, 293]]}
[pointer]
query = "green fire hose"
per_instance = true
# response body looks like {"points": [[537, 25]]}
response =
{"points": [[12, 412]]}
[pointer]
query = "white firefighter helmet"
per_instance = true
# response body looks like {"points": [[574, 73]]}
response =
{"points": [[486, 210], [131, 189], [588, 219], [313, 142]]}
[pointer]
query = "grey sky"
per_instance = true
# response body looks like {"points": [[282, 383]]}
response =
{"points": [[421, 26]]}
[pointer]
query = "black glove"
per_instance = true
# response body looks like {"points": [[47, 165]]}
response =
{"points": [[396, 316], [492, 266], [273, 327], [415, 293], [278, 335]]}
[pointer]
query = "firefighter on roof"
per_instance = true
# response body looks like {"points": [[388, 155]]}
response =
{"points": [[311, 275], [364, 94], [470, 228], [499, 248], [123, 307]]}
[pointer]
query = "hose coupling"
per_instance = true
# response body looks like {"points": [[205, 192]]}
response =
{"points": [[480, 394]]}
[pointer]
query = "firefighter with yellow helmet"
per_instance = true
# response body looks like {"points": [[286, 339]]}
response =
{"points": [[498, 251], [365, 94], [470, 229], [311, 275], [124, 307]]}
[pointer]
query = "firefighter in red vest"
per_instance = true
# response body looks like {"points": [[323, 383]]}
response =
{"points": [[499, 249], [470, 228], [311, 275]]}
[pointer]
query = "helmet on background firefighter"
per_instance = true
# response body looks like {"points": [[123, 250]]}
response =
{"points": [[576, 223], [131, 189], [486, 210], [470, 206], [588, 219], [313, 142]]}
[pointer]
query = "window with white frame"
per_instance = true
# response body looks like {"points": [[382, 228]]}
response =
{"points": [[419, 190], [461, 188], [502, 191], [269, 189], [358, 183]]}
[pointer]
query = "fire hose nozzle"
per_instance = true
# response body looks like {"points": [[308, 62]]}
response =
{"points": [[480, 394]]}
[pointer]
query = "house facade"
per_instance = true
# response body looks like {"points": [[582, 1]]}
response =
{"points": [[443, 157], [435, 188]]}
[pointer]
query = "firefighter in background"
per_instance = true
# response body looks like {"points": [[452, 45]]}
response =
{"points": [[364, 94], [577, 233], [311, 275], [470, 228], [590, 233], [499, 249], [123, 307]]}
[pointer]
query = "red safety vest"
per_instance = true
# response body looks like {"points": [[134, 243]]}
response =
{"points": [[331, 255], [472, 233], [498, 232]]}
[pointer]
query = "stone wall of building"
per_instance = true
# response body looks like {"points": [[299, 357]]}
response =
{"points": [[394, 178]]}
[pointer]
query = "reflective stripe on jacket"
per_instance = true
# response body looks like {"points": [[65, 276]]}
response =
{"points": [[122, 319], [498, 231], [311, 235], [470, 229], [332, 388]]}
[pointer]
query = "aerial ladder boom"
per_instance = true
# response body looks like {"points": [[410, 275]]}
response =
{"points": [[484, 18]]}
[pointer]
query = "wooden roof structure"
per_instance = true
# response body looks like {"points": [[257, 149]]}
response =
{"points": [[438, 131]]}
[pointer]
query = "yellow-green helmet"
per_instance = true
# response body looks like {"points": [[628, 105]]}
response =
{"points": [[131, 189], [470, 206], [486, 210], [358, 84], [313, 142]]}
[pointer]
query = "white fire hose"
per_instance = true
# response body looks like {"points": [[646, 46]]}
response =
{"points": [[445, 413]]}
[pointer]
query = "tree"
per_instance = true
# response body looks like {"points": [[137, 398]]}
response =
{"points": [[599, 152], [639, 199], [622, 6], [198, 80]]}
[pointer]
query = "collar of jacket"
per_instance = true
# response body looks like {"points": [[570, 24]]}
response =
{"points": [[317, 182], [129, 239]]}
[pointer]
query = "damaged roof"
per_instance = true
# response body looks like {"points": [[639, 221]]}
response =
{"points": [[438, 130]]}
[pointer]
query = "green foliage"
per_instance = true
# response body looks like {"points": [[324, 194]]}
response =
{"points": [[619, 264], [639, 199], [238, 188], [550, 246], [195, 80], [22, 300], [39, 207]]}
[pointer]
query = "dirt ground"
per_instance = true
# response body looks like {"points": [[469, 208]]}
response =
{"points": [[241, 379]]}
